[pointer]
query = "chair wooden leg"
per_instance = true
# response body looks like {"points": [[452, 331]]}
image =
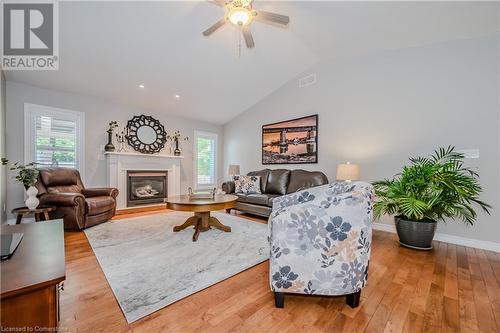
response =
{"points": [[279, 300], [353, 299]]}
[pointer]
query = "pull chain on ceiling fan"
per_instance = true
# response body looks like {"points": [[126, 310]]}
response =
{"points": [[241, 14]]}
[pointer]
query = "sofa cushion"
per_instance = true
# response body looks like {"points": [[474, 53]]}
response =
{"points": [[277, 181], [264, 174], [257, 199], [241, 197], [302, 179], [246, 184], [99, 205], [271, 197]]}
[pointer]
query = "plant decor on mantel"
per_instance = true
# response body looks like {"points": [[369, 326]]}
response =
{"points": [[176, 137], [27, 174], [431, 189], [111, 126]]}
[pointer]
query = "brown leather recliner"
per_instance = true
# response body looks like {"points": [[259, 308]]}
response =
{"points": [[79, 207]]}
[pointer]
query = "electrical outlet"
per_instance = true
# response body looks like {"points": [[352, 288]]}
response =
{"points": [[469, 153]]}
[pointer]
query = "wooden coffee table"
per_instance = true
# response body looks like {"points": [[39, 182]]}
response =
{"points": [[201, 221]]}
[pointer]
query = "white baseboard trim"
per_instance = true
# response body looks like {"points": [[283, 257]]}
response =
{"points": [[479, 244]]}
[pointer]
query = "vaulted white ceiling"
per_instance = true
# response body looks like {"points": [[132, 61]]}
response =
{"points": [[108, 48]]}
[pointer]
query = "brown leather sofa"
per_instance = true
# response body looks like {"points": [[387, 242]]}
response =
{"points": [[78, 206], [274, 183]]}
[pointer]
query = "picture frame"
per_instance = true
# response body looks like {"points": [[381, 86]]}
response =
{"points": [[293, 141]]}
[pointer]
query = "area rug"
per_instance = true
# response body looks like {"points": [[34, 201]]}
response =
{"points": [[148, 266]]}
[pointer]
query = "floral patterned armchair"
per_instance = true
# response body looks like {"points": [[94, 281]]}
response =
{"points": [[321, 241]]}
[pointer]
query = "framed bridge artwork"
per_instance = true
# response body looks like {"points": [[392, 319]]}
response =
{"points": [[292, 141]]}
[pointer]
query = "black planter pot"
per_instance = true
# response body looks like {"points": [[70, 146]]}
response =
{"points": [[415, 235]]}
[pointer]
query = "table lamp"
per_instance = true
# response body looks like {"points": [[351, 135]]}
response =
{"points": [[347, 172], [233, 170]]}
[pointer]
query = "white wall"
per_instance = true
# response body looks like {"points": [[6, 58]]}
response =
{"points": [[98, 113], [3, 170], [379, 110]]}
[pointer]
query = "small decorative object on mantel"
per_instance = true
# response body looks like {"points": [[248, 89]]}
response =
{"points": [[109, 146], [176, 137], [201, 194], [121, 138], [27, 174], [146, 135]]}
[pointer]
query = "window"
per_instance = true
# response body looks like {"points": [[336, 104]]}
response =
{"points": [[205, 160], [53, 137]]}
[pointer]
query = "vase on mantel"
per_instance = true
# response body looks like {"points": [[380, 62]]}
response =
{"points": [[109, 146], [177, 151], [32, 201]]}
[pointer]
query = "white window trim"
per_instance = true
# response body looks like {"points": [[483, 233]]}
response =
{"points": [[32, 109], [198, 133]]}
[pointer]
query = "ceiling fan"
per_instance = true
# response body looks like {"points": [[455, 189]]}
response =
{"points": [[240, 13]]}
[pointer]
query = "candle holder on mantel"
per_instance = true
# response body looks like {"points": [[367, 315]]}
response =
{"points": [[122, 138]]}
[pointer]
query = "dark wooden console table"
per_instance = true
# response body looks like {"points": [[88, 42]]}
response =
{"points": [[31, 278]]}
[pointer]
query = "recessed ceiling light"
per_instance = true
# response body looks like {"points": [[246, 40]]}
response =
{"points": [[141, 86], [177, 96]]}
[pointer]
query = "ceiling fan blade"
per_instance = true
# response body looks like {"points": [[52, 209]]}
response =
{"points": [[214, 27], [248, 37], [272, 17]]}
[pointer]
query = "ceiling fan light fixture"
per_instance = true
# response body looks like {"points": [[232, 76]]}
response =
{"points": [[240, 16]]}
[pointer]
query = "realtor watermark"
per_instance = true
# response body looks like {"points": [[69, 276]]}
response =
{"points": [[30, 35]]}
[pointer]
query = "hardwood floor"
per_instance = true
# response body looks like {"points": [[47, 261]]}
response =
{"points": [[452, 289]]}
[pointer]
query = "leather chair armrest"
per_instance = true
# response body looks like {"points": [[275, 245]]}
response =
{"points": [[100, 191], [62, 199], [228, 187]]}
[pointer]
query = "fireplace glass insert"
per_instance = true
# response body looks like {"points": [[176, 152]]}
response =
{"points": [[146, 187]]}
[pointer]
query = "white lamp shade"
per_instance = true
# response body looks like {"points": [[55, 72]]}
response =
{"points": [[233, 169], [348, 172]]}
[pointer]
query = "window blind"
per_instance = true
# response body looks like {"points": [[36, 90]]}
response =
{"points": [[55, 141], [205, 161]]}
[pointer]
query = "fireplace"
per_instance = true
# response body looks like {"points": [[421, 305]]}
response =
{"points": [[146, 187]]}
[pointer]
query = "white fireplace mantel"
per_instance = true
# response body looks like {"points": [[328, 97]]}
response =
{"points": [[111, 153], [118, 163]]}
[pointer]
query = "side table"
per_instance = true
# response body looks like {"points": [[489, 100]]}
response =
{"points": [[41, 213]]}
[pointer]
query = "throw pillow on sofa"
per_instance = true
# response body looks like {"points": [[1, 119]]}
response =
{"points": [[247, 184]]}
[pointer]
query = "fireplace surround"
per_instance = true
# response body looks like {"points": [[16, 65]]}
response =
{"points": [[118, 163], [146, 187]]}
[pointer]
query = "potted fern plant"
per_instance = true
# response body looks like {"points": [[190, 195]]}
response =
{"points": [[431, 189]]}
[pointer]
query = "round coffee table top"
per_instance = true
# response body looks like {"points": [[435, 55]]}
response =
{"points": [[39, 209], [186, 203]]}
